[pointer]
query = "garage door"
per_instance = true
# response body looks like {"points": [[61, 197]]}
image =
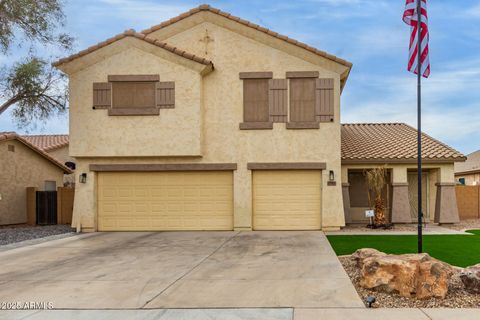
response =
{"points": [[287, 200], [142, 201]]}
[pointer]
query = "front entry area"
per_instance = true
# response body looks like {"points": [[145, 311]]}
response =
{"points": [[287, 199], [156, 201]]}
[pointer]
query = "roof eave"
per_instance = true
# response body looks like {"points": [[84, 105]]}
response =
{"points": [[400, 161], [61, 64], [38, 151]]}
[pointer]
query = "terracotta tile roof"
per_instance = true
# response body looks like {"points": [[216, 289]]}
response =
{"points": [[48, 142], [206, 7], [141, 36], [391, 142], [5, 136]]}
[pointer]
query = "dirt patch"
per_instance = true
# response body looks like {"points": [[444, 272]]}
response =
{"points": [[456, 297]]}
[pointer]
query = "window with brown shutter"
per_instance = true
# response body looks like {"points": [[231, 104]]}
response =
{"points": [[102, 98], [133, 94], [324, 100], [302, 104], [278, 100], [255, 100], [166, 95]]}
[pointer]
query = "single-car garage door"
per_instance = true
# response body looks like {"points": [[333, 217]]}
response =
{"points": [[143, 201], [287, 199]]}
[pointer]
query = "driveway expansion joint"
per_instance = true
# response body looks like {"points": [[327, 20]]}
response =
{"points": [[192, 269]]}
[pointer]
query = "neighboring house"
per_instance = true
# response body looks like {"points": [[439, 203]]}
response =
{"points": [[468, 172], [24, 165], [56, 145], [210, 122]]}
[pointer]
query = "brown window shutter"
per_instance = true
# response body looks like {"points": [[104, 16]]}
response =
{"points": [[133, 94], [102, 95], [278, 100], [324, 104], [302, 100], [166, 95], [255, 100]]}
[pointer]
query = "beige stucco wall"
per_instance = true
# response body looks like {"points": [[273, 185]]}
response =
{"points": [[439, 172], [470, 179], [208, 111], [61, 154], [19, 170]]}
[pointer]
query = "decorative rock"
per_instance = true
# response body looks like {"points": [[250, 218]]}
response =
{"points": [[410, 275], [361, 254], [470, 277]]}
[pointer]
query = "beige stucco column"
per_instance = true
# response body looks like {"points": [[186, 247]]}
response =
{"points": [[84, 206], [332, 202], [242, 198], [400, 201], [446, 210], [346, 202], [346, 194]]}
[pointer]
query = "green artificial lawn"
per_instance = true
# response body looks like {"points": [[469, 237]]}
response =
{"points": [[457, 250]]}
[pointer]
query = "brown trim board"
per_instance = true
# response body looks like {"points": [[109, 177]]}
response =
{"points": [[400, 160], [302, 74], [286, 166], [134, 111], [256, 75], [133, 77], [164, 167], [466, 173], [255, 125], [303, 125]]}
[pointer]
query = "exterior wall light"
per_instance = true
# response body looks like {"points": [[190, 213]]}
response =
{"points": [[331, 175], [83, 178]]}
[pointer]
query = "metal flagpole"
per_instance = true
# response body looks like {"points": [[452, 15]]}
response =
{"points": [[419, 123]]}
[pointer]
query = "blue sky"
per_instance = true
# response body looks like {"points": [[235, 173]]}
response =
{"points": [[369, 33]]}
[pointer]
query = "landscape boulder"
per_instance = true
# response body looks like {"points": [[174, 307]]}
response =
{"points": [[361, 254], [470, 277], [410, 275]]}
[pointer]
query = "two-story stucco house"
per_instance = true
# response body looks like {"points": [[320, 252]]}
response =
{"points": [[209, 122]]}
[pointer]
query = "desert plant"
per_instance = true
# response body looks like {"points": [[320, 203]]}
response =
{"points": [[376, 179]]}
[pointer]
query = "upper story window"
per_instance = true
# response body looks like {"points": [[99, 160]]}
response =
{"points": [[265, 100], [302, 99], [255, 100], [133, 95]]}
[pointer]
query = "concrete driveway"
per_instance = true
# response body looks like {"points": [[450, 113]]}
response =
{"points": [[179, 270]]}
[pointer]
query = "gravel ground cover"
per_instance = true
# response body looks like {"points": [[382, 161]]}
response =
{"points": [[457, 297], [464, 225], [13, 234], [461, 226]]}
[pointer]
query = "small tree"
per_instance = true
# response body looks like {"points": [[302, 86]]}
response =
{"points": [[31, 86], [376, 181]]}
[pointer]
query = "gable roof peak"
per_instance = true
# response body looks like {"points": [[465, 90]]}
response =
{"points": [[207, 7], [140, 36]]}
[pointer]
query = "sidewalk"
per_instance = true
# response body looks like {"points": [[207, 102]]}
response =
{"points": [[247, 314]]}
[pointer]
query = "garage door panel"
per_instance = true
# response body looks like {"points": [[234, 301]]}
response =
{"points": [[165, 201], [287, 200]]}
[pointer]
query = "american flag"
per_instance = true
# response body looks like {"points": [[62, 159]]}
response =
{"points": [[410, 17]]}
